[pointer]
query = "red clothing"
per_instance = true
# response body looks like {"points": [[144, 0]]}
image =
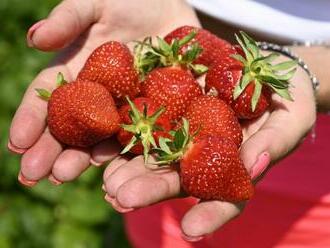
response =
{"points": [[291, 208]]}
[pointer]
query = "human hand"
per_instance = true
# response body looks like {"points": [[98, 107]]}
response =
{"points": [[77, 28], [130, 185]]}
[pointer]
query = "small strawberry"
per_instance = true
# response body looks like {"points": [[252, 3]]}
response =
{"points": [[247, 82], [171, 87], [142, 125], [210, 167], [212, 116], [112, 65], [80, 113], [213, 47]]}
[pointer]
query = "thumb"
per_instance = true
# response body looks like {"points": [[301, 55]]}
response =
{"points": [[64, 24]]}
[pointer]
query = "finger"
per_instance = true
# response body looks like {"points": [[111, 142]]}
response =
{"points": [[114, 203], [131, 169], [30, 118], [71, 164], [104, 151], [285, 127], [206, 217], [38, 161], [64, 24], [113, 166], [149, 188]]}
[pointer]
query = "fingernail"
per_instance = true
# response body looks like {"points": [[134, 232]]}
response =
{"points": [[26, 182], [260, 165], [114, 203], [191, 239], [93, 162], [54, 181], [30, 33], [15, 149], [103, 188]]}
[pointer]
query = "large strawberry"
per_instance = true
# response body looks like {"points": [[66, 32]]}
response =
{"points": [[213, 47], [142, 125], [210, 167], [210, 115], [172, 87], [81, 113], [246, 79], [112, 65]]}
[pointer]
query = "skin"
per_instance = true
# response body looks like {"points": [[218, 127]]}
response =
{"points": [[76, 28]]}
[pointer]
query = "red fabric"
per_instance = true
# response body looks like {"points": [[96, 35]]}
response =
{"points": [[291, 208]]}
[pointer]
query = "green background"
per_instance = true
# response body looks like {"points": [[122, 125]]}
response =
{"points": [[71, 215]]}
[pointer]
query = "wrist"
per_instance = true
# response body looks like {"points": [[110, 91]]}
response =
{"points": [[317, 58]]}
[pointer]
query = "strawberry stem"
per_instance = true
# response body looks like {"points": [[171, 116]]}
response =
{"points": [[142, 128], [258, 69]]}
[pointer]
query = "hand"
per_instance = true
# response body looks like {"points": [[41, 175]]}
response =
{"points": [[130, 185], [77, 28]]}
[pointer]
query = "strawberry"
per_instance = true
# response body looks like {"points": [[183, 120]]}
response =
{"points": [[246, 79], [210, 115], [213, 47], [142, 125], [210, 167], [112, 65], [81, 113], [171, 87], [164, 54]]}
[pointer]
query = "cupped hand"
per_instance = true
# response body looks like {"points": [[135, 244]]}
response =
{"points": [[76, 28], [130, 185]]}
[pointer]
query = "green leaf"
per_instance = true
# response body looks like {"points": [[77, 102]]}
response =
{"points": [[239, 58], [179, 139], [163, 145], [283, 93], [136, 114], [154, 117], [256, 95], [129, 146], [251, 44], [284, 65], [247, 53], [60, 81], [164, 47], [246, 79], [199, 69], [287, 76], [129, 128], [187, 38], [43, 94]]}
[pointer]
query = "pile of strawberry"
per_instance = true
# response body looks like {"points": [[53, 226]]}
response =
{"points": [[151, 100]]}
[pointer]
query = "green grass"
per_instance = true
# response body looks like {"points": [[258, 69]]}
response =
{"points": [[71, 215]]}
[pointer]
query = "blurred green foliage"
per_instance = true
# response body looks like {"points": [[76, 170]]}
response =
{"points": [[67, 216]]}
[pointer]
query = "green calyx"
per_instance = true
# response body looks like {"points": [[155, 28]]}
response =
{"points": [[149, 56], [260, 70], [45, 94], [142, 128], [172, 150]]}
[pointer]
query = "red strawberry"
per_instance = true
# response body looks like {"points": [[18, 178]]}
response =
{"points": [[112, 65], [210, 167], [212, 116], [142, 125], [239, 80], [213, 47], [171, 87], [81, 113]]}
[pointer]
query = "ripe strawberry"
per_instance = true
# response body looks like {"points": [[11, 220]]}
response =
{"points": [[240, 80], [210, 167], [171, 87], [81, 113], [213, 47], [212, 116], [112, 65], [142, 125], [149, 56]]}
